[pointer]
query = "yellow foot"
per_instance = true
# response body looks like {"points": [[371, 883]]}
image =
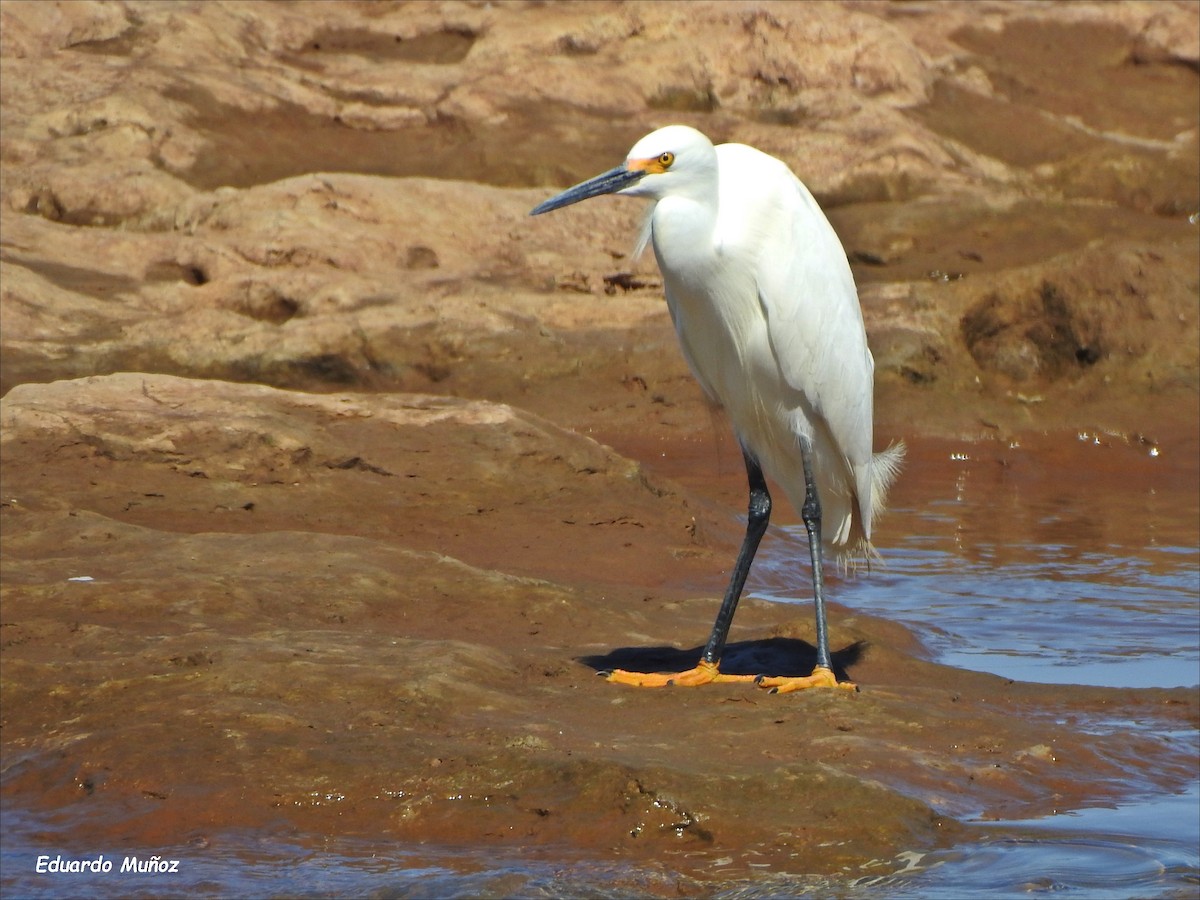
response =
{"points": [[704, 673], [820, 677]]}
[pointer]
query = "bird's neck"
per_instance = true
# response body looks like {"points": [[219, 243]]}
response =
{"points": [[682, 233]]}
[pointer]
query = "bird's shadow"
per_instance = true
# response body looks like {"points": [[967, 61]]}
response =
{"points": [[777, 656]]}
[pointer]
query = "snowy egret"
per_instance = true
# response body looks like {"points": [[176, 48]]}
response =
{"points": [[767, 315]]}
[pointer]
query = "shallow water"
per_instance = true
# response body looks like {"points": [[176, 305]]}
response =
{"points": [[1146, 848], [1068, 573], [1073, 562]]}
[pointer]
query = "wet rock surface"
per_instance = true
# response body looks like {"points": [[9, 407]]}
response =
{"points": [[368, 472], [341, 643]]}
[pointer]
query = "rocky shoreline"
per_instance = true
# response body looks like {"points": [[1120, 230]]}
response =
{"points": [[330, 477]]}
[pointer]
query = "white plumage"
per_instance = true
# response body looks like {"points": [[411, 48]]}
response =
{"points": [[765, 307]]}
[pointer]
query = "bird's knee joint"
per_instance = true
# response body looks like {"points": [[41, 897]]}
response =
{"points": [[760, 506], [810, 512]]}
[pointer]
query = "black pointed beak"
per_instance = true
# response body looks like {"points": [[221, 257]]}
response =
{"points": [[608, 183]]}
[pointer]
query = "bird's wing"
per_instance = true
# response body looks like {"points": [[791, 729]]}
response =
{"points": [[814, 320]]}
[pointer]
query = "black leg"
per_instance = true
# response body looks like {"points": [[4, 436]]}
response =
{"points": [[811, 514], [707, 671], [756, 526]]}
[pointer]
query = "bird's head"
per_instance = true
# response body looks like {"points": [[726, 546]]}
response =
{"points": [[673, 160]]}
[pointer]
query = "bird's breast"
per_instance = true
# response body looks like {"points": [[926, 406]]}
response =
{"points": [[724, 337], [712, 294]]}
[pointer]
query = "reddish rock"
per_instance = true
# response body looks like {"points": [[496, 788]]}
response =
{"points": [[291, 377]]}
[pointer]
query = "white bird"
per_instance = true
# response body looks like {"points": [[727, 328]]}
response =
{"points": [[767, 315]]}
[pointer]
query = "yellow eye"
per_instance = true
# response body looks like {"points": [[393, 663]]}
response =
{"points": [[665, 159]]}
